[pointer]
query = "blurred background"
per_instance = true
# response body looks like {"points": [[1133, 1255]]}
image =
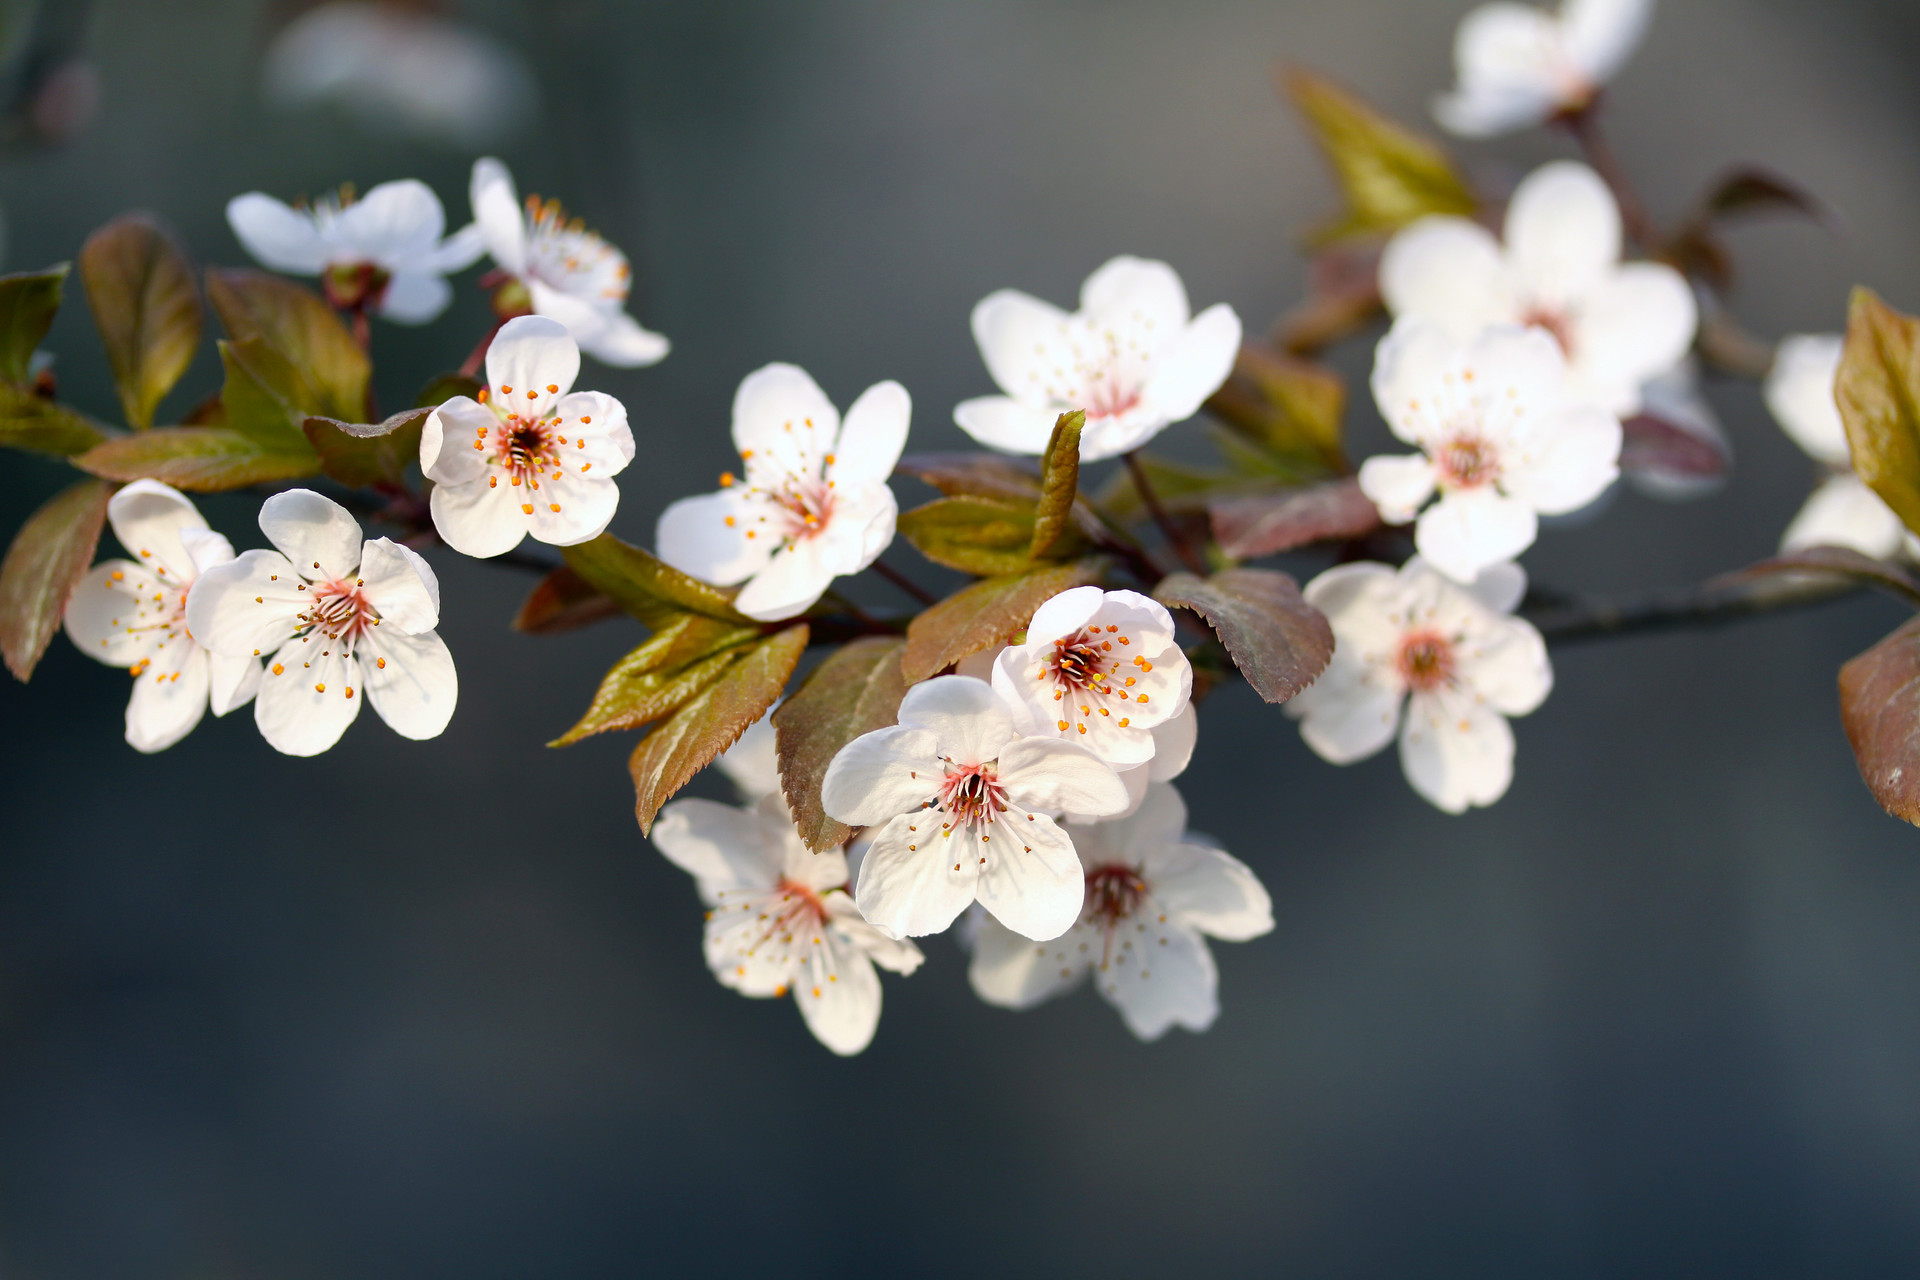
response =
{"points": [[420, 1010]]}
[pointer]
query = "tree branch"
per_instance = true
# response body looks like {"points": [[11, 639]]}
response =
{"points": [[1584, 125], [1168, 529], [1710, 604]]}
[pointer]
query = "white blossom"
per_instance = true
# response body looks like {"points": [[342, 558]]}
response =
{"points": [[1443, 664], [963, 805], [751, 764], [1153, 896], [1130, 357], [531, 455], [780, 918], [570, 274], [1519, 65], [133, 614], [1618, 324], [343, 622], [383, 251], [814, 504], [1501, 442]]}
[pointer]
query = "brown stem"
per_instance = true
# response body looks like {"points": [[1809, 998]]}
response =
{"points": [[1706, 605], [903, 582], [1188, 556], [1584, 125], [475, 358]]}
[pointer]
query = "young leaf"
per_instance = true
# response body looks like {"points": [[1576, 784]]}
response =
{"points": [[203, 459], [987, 613], [359, 454], [676, 662], [1249, 525], [711, 721], [1838, 562], [645, 586], [28, 421], [983, 536], [1280, 642], [1390, 176], [140, 287], [48, 555], [1059, 484], [1293, 407], [1650, 444], [332, 369], [978, 475], [855, 691], [1878, 389], [1880, 709], [27, 305], [563, 601]]}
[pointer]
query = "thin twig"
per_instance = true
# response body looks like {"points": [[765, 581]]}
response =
{"points": [[1706, 605], [1188, 556], [904, 583], [1584, 125], [475, 358]]}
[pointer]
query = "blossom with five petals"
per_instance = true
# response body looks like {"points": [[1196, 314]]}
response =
{"points": [[569, 273], [814, 505], [345, 622], [133, 614], [1618, 324], [1501, 442], [1153, 896], [1519, 65], [1450, 655], [780, 919], [383, 252], [531, 455], [963, 806], [1130, 357]]}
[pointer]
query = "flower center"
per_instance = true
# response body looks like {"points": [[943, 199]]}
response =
{"points": [[1113, 893], [971, 795], [1426, 660], [563, 253], [1556, 322], [525, 448], [806, 502], [1467, 461], [1109, 393], [339, 611], [1085, 670]]}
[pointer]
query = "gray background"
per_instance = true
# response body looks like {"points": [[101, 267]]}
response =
{"points": [[437, 1010]]}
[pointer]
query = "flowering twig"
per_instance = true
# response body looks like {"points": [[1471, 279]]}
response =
{"points": [[904, 583], [1151, 500], [475, 358], [1708, 604]]}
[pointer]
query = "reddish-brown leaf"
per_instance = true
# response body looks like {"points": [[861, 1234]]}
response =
{"points": [[978, 475], [1260, 524], [1880, 708], [1280, 642], [202, 459], [986, 613], [562, 601], [48, 555], [1652, 444], [1838, 562], [140, 286], [855, 691]]}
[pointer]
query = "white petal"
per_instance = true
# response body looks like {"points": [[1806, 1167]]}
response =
{"points": [[400, 585], [838, 994], [1157, 823], [1463, 533], [1359, 600], [415, 297], [233, 681], [1173, 743], [1128, 287], [1030, 877], [1211, 890], [206, 549], [1601, 34], [1449, 271], [1633, 325], [1056, 776], [707, 537], [794, 578], [1566, 465], [1455, 752], [315, 533], [148, 518], [862, 526], [303, 707], [246, 607], [496, 211], [1410, 367], [751, 763], [396, 224], [1063, 615], [477, 519], [1842, 512], [1346, 716], [277, 235], [969, 722], [1113, 435], [781, 412], [415, 691], [598, 434], [1506, 666], [457, 252], [531, 363], [1563, 232], [915, 882], [1021, 339], [1017, 973], [892, 954], [1800, 393], [1193, 366], [570, 508], [1399, 485], [871, 438], [1504, 55], [112, 615], [620, 341], [169, 697], [1159, 977], [721, 846], [743, 952], [447, 440], [877, 775], [1001, 422], [1500, 587], [1488, 110]]}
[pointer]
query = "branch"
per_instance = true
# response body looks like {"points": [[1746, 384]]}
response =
{"points": [[1168, 529], [1710, 604], [1584, 125]]}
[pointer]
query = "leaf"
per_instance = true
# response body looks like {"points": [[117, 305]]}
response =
{"points": [[1880, 709], [1294, 407], [1059, 484], [980, 475], [1261, 524], [446, 387], [1878, 388], [1343, 294], [1650, 443], [28, 302], [1391, 177], [855, 691], [48, 555], [987, 613], [331, 370], [1179, 488], [29, 421], [984, 536], [1839, 562], [140, 287], [263, 394], [1750, 190], [563, 601], [676, 662], [359, 455], [711, 721], [646, 586], [202, 459], [1280, 642]]}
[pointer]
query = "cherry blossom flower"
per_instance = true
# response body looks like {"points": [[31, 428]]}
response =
{"points": [[1843, 511], [133, 614], [531, 456], [1153, 896], [780, 918], [1519, 66], [1130, 357], [568, 272], [1101, 668], [1448, 654], [383, 252], [963, 805], [814, 504], [345, 622], [1619, 324], [1502, 442]]}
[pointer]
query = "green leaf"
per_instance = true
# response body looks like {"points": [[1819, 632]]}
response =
{"points": [[1280, 642], [979, 475], [1878, 388], [1880, 709], [140, 287], [202, 459], [1059, 484], [984, 536], [1292, 407], [27, 305], [986, 613], [1390, 176], [359, 455], [48, 555], [711, 721], [676, 662], [563, 601], [330, 370], [646, 586], [855, 691], [28, 421], [1179, 488]]}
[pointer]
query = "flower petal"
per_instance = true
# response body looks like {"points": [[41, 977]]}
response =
{"points": [[1463, 533], [1634, 325], [1410, 367], [1346, 716], [315, 533], [1210, 890], [232, 681], [889, 771], [743, 951], [1449, 271], [597, 430], [396, 224], [277, 235], [1030, 877], [838, 994], [782, 416], [415, 297], [1504, 56], [496, 211], [707, 537], [969, 722], [721, 846], [1137, 289], [910, 885], [401, 585], [1359, 600], [1599, 35], [478, 519], [602, 331], [448, 437], [1800, 393], [1563, 233], [457, 252], [1157, 823], [1064, 615], [206, 549], [1567, 465], [892, 954], [1842, 512], [1500, 587], [1506, 666], [1455, 752], [1399, 485], [246, 607], [148, 518], [1159, 977], [1173, 743], [1193, 365], [531, 363], [1018, 973], [1022, 340], [570, 508], [410, 681], [795, 576], [871, 438], [1055, 776], [108, 618], [1001, 422], [303, 706], [169, 697]]}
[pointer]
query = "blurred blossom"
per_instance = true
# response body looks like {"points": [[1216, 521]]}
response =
{"points": [[1519, 66], [1131, 357], [1447, 655], [1619, 324], [751, 763], [1153, 896], [780, 917], [395, 69], [133, 614], [814, 505]]}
